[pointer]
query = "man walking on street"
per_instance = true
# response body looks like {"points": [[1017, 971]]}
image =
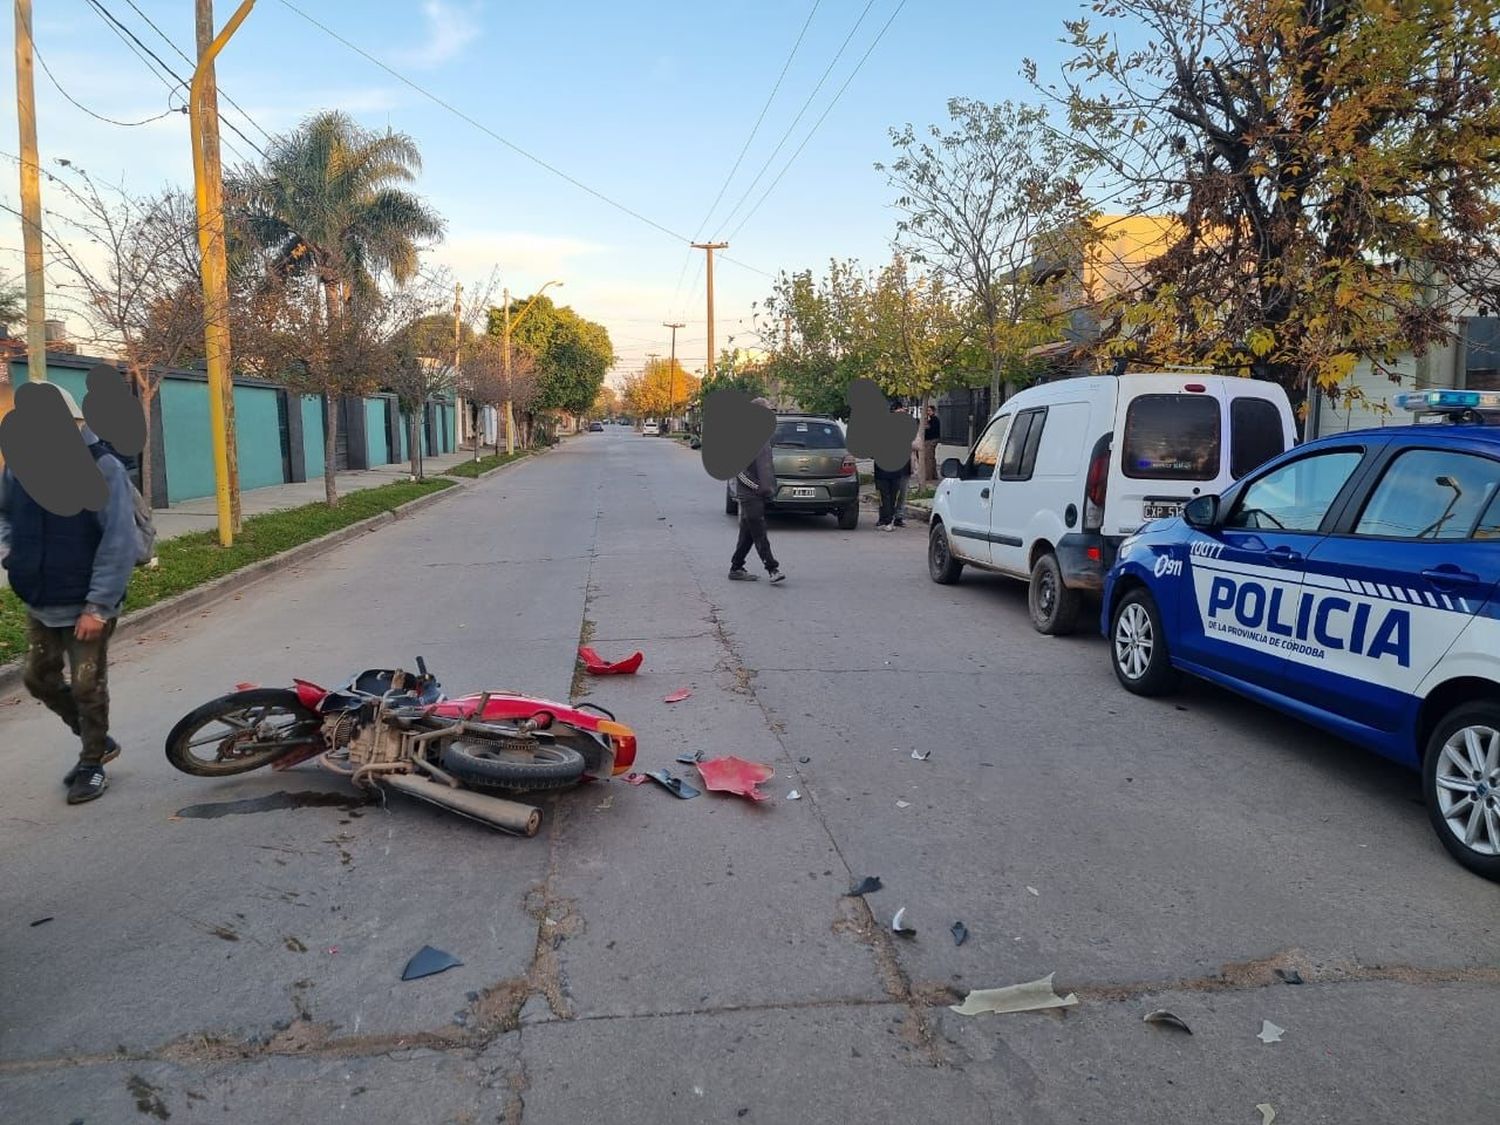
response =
{"points": [[753, 487], [898, 480], [932, 433], [71, 572]]}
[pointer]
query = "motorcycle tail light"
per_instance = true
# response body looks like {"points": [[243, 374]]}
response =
{"points": [[622, 738], [849, 467]]}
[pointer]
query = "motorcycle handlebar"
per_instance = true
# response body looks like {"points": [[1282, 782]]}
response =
{"points": [[421, 666]]}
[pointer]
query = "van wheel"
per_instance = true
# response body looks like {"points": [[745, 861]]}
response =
{"points": [[1138, 646], [942, 567], [731, 506], [848, 517], [1054, 607], [1461, 780]]}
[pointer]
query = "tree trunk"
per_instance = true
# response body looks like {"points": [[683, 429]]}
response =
{"points": [[330, 447], [145, 401], [411, 445], [475, 421]]}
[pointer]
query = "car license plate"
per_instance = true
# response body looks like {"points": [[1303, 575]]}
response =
{"points": [[803, 493], [1161, 509]]}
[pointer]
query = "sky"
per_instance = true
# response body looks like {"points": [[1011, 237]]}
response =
{"points": [[648, 105]]}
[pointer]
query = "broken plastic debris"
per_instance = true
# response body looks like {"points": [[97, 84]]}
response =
{"points": [[804, 759], [921, 757], [1162, 1016], [428, 961], [1032, 996], [678, 696], [1269, 1032], [690, 759], [866, 886], [636, 779], [42, 921], [1290, 976], [673, 785], [794, 796], [899, 926], [596, 665], [1033, 891], [903, 804], [1267, 1113], [735, 775], [960, 933]]}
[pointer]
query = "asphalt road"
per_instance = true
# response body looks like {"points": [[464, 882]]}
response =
{"points": [[653, 960]]}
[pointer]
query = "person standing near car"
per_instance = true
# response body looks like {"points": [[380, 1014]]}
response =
{"points": [[71, 572], [899, 480], [755, 484], [932, 433]]}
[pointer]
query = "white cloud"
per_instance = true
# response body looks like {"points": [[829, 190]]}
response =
{"points": [[450, 28]]}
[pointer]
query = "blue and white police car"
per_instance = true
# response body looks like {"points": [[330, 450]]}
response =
{"points": [[1350, 582]]}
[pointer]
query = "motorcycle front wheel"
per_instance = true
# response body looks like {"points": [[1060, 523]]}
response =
{"points": [[241, 732]]}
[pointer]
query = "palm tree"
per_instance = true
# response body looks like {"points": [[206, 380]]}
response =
{"points": [[324, 206]]}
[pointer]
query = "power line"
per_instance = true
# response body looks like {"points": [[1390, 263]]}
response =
{"points": [[787, 135], [869, 51], [193, 63], [79, 105]]}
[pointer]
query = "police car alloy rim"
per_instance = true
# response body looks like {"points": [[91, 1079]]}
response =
{"points": [[1134, 642], [1468, 787]]}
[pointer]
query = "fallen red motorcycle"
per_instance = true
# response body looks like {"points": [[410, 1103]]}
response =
{"points": [[392, 728]]}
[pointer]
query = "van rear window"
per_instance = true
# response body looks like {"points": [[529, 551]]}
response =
{"points": [[1255, 435], [1171, 437]]}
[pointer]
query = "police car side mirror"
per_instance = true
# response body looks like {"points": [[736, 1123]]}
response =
{"points": [[1202, 512], [952, 468]]}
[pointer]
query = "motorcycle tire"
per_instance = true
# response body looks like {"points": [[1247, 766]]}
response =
{"points": [[179, 741], [496, 765]]}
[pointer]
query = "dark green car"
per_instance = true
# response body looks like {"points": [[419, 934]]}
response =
{"points": [[814, 471]]}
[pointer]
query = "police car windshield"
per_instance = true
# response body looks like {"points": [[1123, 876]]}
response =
{"points": [[808, 433]]}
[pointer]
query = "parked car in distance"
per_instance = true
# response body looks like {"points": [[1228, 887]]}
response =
{"points": [[651, 429], [1353, 583], [814, 471], [596, 427], [1065, 470]]}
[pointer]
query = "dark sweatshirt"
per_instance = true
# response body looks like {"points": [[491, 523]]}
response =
{"points": [[758, 480]]}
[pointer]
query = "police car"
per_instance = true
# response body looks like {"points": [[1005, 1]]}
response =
{"points": [[1350, 582]]}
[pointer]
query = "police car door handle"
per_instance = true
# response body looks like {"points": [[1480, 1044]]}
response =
{"points": [[1450, 576], [1283, 556]]}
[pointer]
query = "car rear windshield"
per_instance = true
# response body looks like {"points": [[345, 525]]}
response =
{"points": [[1255, 435], [808, 433], [1171, 437]]}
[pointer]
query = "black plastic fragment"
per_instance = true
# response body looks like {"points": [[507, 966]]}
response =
{"points": [[960, 933], [866, 886], [42, 921], [1290, 976], [427, 961], [673, 785]]}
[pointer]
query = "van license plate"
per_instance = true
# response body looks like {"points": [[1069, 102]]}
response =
{"points": [[804, 493], [1162, 510]]}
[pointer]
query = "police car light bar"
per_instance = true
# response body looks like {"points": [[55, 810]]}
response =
{"points": [[1447, 400]]}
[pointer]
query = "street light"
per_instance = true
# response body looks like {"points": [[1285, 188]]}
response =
{"points": [[510, 422]]}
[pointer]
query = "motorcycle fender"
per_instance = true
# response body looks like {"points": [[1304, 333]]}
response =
{"points": [[309, 694]]}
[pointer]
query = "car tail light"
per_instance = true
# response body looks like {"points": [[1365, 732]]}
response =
{"points": [[849, 467], [1095, 486], [1195, 388]]}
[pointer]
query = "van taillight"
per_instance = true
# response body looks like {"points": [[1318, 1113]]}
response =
{"points": [[1195, 388], [1095, 486], [849, 467]]}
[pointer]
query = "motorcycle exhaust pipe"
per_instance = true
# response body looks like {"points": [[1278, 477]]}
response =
{"points": [[508, 816]]}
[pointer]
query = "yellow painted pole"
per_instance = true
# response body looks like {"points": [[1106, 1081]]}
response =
{"points": [[215, 276], [31, 201]]}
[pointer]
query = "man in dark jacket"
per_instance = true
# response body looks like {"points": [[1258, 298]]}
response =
{"points": [[752, 488], [71, 572], [891, 484]]}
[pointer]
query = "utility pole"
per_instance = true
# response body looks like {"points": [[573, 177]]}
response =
{"points": [[710, 247], [672, 370], [510, 439], [474, 408], [203, 105], [31, 201]]}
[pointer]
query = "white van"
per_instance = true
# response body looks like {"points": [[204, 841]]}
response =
{"points": [[1066, 470]]}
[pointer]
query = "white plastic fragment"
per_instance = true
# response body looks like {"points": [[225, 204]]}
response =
{"points": [[1269, 1032], [903, 804], [898, 923], [1033, 996], [921, 757], [1033, 891], [794, 796], [1267, 1113]]}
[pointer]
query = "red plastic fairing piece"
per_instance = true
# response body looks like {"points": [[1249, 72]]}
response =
{"points": [[598, 666], [735, 775]]}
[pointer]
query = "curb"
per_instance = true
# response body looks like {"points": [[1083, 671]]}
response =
{"points": [[235, 581]]}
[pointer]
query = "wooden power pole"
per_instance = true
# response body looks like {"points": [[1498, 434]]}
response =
{"points": [[672, 370], [31, 201], [710, 247]]}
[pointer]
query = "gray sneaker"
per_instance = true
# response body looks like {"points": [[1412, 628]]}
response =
{"points": [[777, 576], [740, 574]]}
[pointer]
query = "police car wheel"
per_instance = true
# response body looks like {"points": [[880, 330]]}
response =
{"points": [[1054, 607], [1138, 646], [942, 567], [1461, 779]]}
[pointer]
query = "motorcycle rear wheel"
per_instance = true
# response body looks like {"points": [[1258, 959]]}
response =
{"points": [[516, 763], [256, 727]]}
